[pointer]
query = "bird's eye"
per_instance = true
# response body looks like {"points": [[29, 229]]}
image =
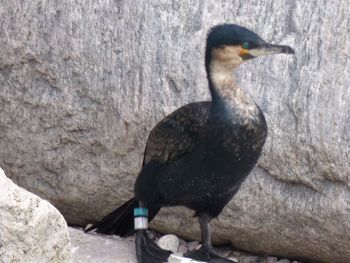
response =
{"points": [[245, 45]]}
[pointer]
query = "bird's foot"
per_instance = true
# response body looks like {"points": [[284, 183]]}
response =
{"points": [[207, 255], [147, 251]]}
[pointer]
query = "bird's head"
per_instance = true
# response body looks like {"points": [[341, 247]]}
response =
{"points": [[232, 44]]}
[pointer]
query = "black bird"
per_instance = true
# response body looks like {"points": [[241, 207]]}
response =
{"points": [[199, 155]]}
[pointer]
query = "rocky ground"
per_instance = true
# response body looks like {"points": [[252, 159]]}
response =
{"points": [[91, 248]]}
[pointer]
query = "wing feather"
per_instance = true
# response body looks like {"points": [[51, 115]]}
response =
{"points": [[178, 133]]}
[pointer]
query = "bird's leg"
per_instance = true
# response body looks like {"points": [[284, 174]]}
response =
{"points": [[202, 254], [206, 253], [204, 224], [146, 250]]}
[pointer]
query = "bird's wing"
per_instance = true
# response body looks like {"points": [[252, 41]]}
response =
{"points": [[178, 133]]}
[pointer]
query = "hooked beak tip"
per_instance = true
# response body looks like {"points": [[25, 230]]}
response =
{"points": [[288, 50]]}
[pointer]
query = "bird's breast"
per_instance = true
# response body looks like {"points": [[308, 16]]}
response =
{"points": [[238, 137]]}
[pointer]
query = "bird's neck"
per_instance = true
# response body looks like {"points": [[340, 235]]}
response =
{"points": [[229, 100]]}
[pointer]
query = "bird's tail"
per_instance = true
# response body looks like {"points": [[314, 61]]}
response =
{"points": [[121, 221]]}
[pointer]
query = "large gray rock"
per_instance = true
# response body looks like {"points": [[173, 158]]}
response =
{"points": [[31, 229], [82, 84]]}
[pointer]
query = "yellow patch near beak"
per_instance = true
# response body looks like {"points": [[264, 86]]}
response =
{"points": [[243, 52]]}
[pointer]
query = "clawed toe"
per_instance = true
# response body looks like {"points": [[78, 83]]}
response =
{"points": [[199, 254]]}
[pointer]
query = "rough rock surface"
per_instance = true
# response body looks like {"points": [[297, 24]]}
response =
{"points": [[82, 84], [93, 248], [31, 229]]}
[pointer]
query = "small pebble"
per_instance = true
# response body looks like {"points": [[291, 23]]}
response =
{"points": [[271, 260], [235, 259], [169, 242], [224, 251], [182, 249], [249, 259], [193, 245], [87, 226], [236, 254]]}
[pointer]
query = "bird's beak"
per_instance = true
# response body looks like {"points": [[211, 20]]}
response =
{"points": [[269, 49]]}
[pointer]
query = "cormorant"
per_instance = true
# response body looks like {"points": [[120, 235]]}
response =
{"points": [[199, 155]]}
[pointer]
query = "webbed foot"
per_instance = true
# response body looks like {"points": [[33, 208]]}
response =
{"points": [[147, 251]]}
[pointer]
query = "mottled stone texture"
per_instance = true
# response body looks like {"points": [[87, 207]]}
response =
{"points": [[83, 82], [31, 229]]}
